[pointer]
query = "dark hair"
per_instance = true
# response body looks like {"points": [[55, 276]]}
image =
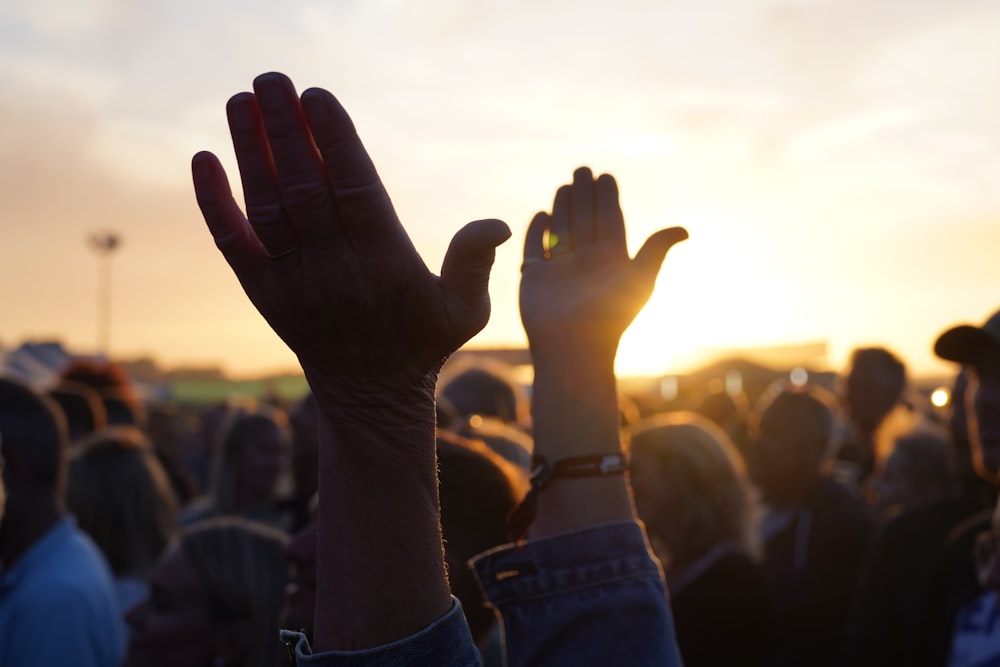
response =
{"points": [[810, 410], [485, 388], [242, 566], [97, 374], [723, 409], [927, 458], [114, 385], [507, 440], [82, 407], [33, 425], [233, 432], [477, 488], [884, 360], [122, 498], [121, 410]]}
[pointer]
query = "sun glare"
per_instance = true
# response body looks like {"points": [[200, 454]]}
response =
{"points": [[940, 397], [692, 310]]}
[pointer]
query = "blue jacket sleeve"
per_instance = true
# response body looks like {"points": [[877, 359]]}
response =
{"points": [[446, 642], [588, 597]]}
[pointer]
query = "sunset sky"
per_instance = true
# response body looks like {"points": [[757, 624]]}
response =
{"points": [[837, 162]]}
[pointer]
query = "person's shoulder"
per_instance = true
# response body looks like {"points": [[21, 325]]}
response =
{"points": [[734, 576], [738, 561], [72, 574], [929, 525], [961, 538], [199, 509], [66, 554], [842, 503], [57, 595], [62, 623], [737, 571]]}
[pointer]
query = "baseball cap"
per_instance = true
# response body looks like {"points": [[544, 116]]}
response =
{"points": [[966, 343]]}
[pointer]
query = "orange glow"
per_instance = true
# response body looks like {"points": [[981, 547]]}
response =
{"points": [[940, 397]]}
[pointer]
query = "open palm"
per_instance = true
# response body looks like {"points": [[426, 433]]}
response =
{"points": [[321, 252], [578, 284]]}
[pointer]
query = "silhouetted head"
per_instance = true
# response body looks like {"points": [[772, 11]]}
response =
{"points": [[82, 407], [122, 498], [791, 437], [254, 451], [920, 468], [215, 598], [507, 440], [112, 382], [725, 410], [478, 489], [978, 348], [690, 487], [34, 440], [121, 409], [488, 389], [874, 384]]}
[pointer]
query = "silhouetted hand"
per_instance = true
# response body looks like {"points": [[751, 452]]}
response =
{"points": [[322, 255], [579, 289]]}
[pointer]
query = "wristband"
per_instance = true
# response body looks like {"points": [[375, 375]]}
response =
{"points": [[599, 465]]}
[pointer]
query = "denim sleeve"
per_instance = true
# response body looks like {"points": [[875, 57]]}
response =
{"points": [[588, 597], [446, 642]]}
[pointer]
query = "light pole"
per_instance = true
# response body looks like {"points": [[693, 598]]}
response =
{"points": [[104, 243]]}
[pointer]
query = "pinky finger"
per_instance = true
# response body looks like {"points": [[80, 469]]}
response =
{"points": [[229, 227]]}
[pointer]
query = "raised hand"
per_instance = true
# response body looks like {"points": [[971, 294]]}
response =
{"points": [[322, 254], [578, 286], [579, 292], [323, 257]]}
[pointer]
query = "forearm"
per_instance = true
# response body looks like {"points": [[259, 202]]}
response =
{"points": [[575, 413], [381, 574]]}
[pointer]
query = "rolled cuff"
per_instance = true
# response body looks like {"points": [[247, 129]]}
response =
{"points": [[447, 642]]}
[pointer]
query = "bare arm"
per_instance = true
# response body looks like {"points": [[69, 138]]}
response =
{"points": [[584, 589], [323, 257], [577, 298]]}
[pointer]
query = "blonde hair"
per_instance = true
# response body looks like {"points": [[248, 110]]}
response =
{"points": [[712, 498]]}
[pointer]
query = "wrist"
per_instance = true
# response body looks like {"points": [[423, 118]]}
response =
{"points": [[546, 472], [407, 395], [574, 357], [388, 427]]}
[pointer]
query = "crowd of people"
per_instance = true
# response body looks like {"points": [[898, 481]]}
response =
{"points": [[395, 517]]}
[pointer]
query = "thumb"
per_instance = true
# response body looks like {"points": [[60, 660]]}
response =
{"points": [[465, 273], [650, 256]]}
